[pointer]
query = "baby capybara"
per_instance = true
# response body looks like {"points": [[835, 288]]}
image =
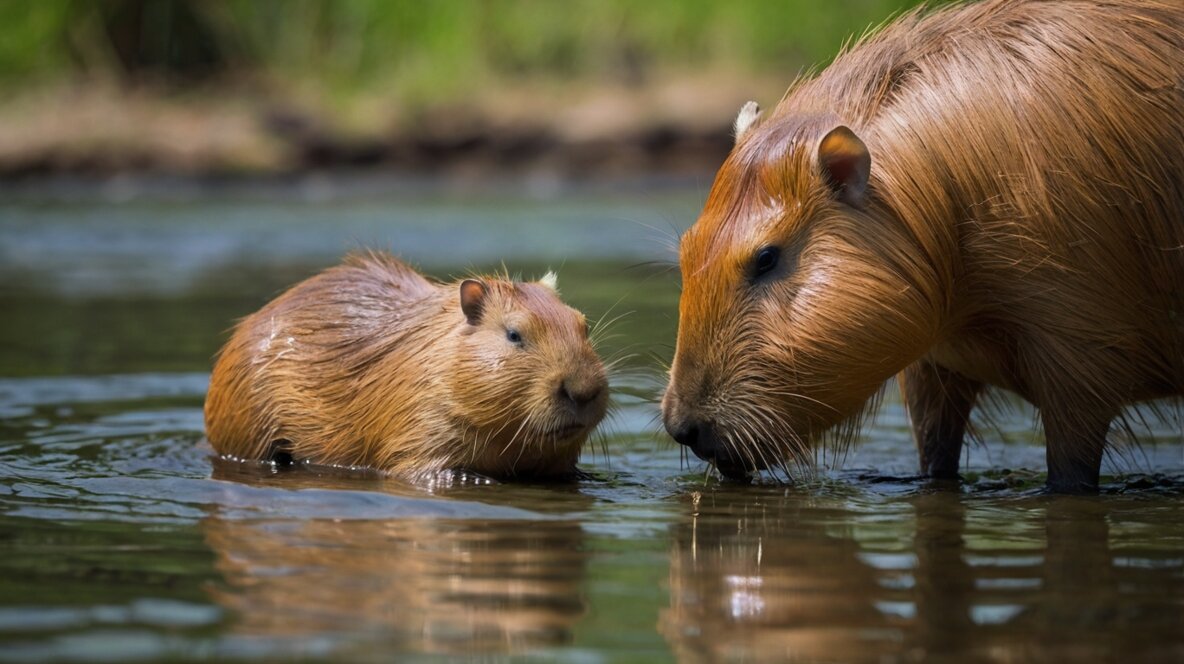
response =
{"points": [[370, 364], [986, 195]]}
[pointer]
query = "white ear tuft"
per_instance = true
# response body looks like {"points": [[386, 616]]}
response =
{"points": [[550, 280], [749, 113]]}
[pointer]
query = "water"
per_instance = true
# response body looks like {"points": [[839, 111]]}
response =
{"points": [[122, 539]]}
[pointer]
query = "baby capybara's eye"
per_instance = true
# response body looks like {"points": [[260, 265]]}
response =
{"points": [[514, 336], [766, 260]]}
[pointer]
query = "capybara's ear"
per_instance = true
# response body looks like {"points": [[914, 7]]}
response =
{"points": [[749, 113], [845, 164], [472, 300]]}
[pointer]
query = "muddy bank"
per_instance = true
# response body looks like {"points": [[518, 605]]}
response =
{"points": [[675, 127]]}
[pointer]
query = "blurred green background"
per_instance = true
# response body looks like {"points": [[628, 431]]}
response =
{"points": [[428, 50], [250, 85]]}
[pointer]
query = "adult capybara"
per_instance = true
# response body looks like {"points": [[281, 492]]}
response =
{"points": [[370, 364], [987, 195]]}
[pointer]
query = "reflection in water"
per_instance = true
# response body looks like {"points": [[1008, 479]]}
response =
{"points": [[943, 581], [1118, 594], [436, 586], [755, 579], [763, 577]]}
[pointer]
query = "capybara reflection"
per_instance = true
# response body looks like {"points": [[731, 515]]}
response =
{"points": [[986, 195], [764, 576], [758, 578], [421, 585], [370, 364]]}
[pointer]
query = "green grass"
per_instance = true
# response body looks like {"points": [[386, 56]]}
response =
{"points": [[437, 50]]}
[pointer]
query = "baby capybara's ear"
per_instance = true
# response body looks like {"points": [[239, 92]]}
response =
{"points": [[846, 165], [472, 300]]}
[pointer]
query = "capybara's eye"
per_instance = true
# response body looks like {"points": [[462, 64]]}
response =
{"points": [[514, 337], [766, 260]]}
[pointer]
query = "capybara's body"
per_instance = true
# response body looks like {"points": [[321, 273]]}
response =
{"points": [[990, 195], [370, 364]]}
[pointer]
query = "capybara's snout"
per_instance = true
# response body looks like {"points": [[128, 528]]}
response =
{"points": [[703, 437], [580, 397], [584, 392]]}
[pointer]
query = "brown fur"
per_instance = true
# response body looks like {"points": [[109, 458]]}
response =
{"points": [[370, 364], [1022, 227]]}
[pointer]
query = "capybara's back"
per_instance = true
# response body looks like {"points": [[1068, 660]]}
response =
{"points": [[280, 355], [990, 195], [370, 364]]}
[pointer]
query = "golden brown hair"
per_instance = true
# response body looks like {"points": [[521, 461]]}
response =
{"points": [[370, 364], [989, 194]]}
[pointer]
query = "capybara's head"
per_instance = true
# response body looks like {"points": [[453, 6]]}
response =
{"points": [[527, 387], [800, 297]]}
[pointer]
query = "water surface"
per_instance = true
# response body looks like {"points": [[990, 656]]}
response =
{"points": [[122, 539]]}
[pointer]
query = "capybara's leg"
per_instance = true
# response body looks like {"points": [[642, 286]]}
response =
{"points": [[939, 403], [1075, 441]]}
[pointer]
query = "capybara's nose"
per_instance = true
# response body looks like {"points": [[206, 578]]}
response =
{"points": [[704, 440], [684, 432], [580, 393], [699, 436]]}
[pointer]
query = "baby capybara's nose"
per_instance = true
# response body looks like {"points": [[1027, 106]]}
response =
{"points": [[581, 393]]}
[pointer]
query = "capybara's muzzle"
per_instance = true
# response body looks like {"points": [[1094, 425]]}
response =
{"points": [[704, 440]]}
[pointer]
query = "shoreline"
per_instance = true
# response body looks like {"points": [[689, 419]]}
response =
{"points": [[320, 186], [679, 127]]}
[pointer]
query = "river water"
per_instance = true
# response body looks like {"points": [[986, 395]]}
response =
{"points": [[122, 539]]}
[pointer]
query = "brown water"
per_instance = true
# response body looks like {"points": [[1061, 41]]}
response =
{"points": [[122, 540]]}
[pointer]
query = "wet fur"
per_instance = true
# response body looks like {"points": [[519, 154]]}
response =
{"points": [[1023, 228], [370, 364]]}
